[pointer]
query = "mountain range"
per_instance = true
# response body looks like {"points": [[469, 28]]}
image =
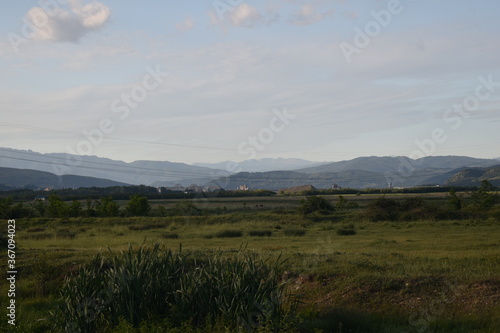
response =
{"points": [[262, 165], [363, 172], [67, 170], [33, 179]]}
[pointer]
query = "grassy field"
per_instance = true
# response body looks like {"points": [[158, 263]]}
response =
{"points": [[418, 276]]}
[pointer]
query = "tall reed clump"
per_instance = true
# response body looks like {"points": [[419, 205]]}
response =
{"points": [[154, 284]]}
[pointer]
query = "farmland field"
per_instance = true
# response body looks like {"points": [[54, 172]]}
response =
{"points": [[346, 272]]}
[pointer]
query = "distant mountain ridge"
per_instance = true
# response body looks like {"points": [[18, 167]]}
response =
{"points": [[33, 179], [393, 164], [361, 172], [474, 177], [135, 173], [262, 165]]}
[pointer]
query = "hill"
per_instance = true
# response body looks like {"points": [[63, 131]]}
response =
{"points": [[264, 164], [136, 173], [474, 177], [394, 164], [33, 179]]}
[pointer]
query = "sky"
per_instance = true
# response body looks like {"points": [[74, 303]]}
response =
{"points": [[209, 81]]}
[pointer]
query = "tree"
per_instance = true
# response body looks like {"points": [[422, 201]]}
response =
{"points": [[138, 206], [482, 199], [90, 211], [5, 208], [455, 201], [108, 208], [56, 207], [343, 205], [315, 203], [75, 209]]}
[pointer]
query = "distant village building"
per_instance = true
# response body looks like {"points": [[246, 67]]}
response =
{"points": [[243, 188]]}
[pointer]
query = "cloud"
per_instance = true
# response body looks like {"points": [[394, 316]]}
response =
{"points": [[242, 15], [186, 25], [61, 25], [308, 15]]}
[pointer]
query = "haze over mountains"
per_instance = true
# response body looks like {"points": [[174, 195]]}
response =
{"points": [[262, 165], [362, 172]]}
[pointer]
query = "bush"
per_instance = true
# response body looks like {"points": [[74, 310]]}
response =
{"points": [[151, 283], [383, 209], [229, 234], [316, 204], [138, 206], [294, 232], [346, 232], [260, 233]]}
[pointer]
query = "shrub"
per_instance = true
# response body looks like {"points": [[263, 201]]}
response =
{"points": [[138, 206], [151, 283], [346, 232], [383, 209], [229, 234], [316, 204], [294, 232], [260, 233]]}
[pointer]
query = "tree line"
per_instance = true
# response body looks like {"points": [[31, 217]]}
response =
{"points": [[55, 207]]}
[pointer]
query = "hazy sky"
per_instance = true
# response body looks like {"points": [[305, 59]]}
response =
{"points": [[207, 81]]}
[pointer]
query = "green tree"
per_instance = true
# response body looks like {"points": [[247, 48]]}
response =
{"points": [[138, 206], [315, 203], [455, 202], [75, 209], [483, 199], [108, 208], [39, 207], [5, 208], [89, 208], [56, 207]]}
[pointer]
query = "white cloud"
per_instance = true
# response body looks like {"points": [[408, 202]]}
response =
{"points": [[244, 15], [61, 25], [308, 15], [186, 25]]}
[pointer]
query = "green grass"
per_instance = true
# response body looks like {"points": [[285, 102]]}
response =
{"points": [[373, 280]]}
